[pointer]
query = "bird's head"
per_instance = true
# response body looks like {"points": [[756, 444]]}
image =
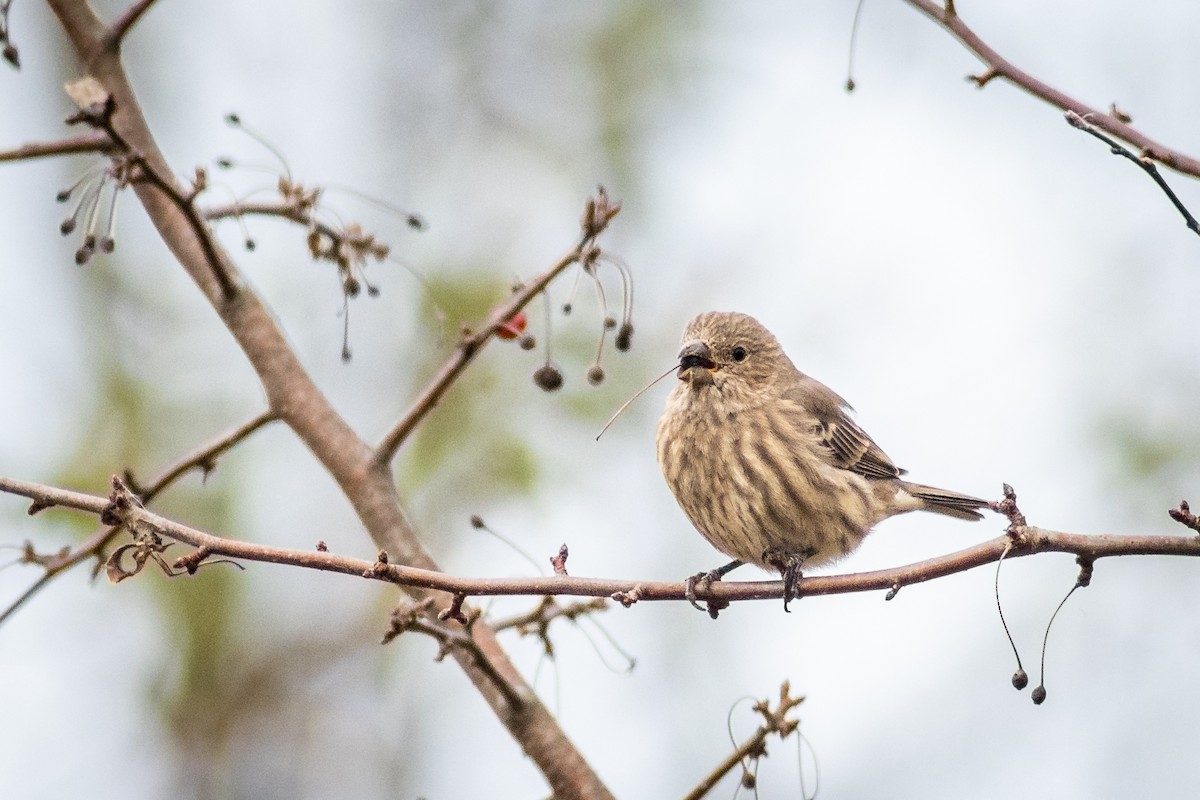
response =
{"points": [[727, 350]]}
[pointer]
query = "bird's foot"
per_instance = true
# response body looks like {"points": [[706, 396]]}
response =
{"points": [[789, 565], [705, 580]]}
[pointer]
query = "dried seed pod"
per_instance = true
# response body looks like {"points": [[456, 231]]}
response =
{"points": [[548, 377], [624, 337]]}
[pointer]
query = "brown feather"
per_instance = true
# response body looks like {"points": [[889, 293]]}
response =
{"points": [[848, 446]]}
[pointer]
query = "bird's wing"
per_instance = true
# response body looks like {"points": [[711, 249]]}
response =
{"points": [[844, 443]]}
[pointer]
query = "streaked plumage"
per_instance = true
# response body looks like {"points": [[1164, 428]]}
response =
{"points": [[766, 462]]}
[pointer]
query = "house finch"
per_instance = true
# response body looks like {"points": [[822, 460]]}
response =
{"points": [[766, 462]]}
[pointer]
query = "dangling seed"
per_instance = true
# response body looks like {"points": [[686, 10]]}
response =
{"points": [[548, 377], [624, 337]]}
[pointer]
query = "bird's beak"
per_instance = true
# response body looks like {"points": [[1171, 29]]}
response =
{"points": [[696, 364]]}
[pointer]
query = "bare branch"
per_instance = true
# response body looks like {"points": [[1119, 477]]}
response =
{"points": [[415, 617], [295, 212], [368, 485], [1026, 542], [774, 721], [999, 67], [95, 142], [1076, 121], [204, 459], [285, 210], [538, 618], [126, 21], [598, 211], [90, 547], [100, 116]]}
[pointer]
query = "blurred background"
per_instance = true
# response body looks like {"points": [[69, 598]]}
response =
{"points": [[999, 297]]}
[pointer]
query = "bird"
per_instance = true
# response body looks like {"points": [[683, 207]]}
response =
{"points": [[767, 462]]}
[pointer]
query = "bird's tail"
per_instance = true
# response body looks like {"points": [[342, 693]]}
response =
{"points": [[952, 504]]}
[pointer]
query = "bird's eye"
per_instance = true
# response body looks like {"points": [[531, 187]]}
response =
{"points": [[739, 353]]}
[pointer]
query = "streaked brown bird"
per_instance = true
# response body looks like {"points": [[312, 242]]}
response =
{"points": [[767, 463]]}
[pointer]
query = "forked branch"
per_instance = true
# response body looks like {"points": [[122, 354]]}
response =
{"points": [[204, 458]]}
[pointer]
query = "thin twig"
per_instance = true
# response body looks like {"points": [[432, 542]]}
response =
{"points": [[775, 721], [123, 23], [1034, 540], [1076, 121], [545, 612], [61, 562], [1000, 67], [416, 617], [597, 214], [204, 458], [295, 212], [101, 119], [287, 210], [94, 142]]}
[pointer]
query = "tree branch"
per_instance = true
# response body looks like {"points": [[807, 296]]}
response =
{"points": [[205, 458], [367, 484], [94, 142], [1017, 542], [597, 214], [268, 208], [1076, 121], [100, 116], [774, 721], [126, 21], [999, 67]]}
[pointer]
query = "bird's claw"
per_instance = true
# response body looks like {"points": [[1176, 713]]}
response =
{"points": [[789, 565], [705, 580]]}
